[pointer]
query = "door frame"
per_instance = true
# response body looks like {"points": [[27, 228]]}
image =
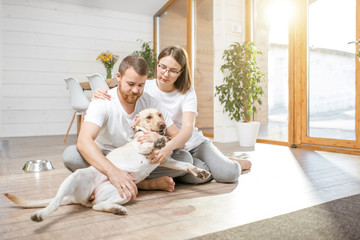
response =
{"points": [[301, 87]]}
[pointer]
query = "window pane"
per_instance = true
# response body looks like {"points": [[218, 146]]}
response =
{"points": [[331, 69], [271, 19]]}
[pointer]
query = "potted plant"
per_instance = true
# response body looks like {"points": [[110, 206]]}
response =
{"points": [[149, 55], [241, 89], [108, 59]]}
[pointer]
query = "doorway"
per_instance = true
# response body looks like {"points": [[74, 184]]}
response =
{"points": [[328, 73]]}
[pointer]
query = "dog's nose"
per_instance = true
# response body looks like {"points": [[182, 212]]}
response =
{"points": [[162, 125]]}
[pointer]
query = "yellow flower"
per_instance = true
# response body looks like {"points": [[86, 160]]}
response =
{"points": [[108, 59]]}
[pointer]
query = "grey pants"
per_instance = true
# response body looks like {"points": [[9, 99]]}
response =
{"points": [[73, 161], [209, 157]]}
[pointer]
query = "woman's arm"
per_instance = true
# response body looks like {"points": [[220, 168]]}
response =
{"points": [[101, 93], [178, 138]]}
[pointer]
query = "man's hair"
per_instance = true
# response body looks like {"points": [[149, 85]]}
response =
{"points": [[184, 81], [138, 63]]}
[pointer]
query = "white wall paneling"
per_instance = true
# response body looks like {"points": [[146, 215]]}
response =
{"points": [[226, 15], [44, 42]]}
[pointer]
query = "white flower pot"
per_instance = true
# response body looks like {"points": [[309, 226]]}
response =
{"points": [[247, 133]]}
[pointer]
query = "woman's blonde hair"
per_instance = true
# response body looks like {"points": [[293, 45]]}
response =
{"points": [[184, 81]]}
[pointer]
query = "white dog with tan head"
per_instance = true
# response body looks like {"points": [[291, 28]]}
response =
{"points": [[91, 188]]}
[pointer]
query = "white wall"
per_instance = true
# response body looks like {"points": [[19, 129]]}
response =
{"points": [[228, 15], [45, 42]]}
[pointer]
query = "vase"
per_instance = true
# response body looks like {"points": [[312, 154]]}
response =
{"points": [[247, 133], [109, 73]]}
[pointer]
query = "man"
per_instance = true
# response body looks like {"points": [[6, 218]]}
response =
{"points": [[107, 125]]}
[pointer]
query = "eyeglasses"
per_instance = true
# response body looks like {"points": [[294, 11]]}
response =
{"points": [[164, 69]]}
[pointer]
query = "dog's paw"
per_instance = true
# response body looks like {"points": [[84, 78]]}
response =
{"points": [[203, 174], [36, 217], [160, 143], [200, 173], [120, 210]]}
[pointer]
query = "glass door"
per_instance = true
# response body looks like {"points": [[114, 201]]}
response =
{"points": [[329, 74], [271, 36]]}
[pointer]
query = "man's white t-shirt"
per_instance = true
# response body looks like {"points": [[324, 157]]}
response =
{"points": [[176, 103], [115, 122]]}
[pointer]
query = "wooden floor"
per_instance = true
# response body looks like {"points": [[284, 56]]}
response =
{"points": [[282, 180]]}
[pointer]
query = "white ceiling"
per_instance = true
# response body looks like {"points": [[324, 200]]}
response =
{"points": [[147, 7]]}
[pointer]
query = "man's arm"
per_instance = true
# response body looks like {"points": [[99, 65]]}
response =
{"points": [[92, 154]]}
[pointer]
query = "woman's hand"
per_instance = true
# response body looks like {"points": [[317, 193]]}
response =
{"points": [[124, 183], [148, 137], [160, 155], [101, 93]]}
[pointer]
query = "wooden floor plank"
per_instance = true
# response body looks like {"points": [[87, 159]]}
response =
{"points": [[281, 180]]}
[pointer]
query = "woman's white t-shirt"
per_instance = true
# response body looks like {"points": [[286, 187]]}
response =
{"points": [[176, 103], [115, 123]]}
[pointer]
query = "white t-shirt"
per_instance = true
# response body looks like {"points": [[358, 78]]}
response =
{"points": [[176, 103], [115, 122]]}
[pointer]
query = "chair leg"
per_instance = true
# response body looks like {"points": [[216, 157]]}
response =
{"points": [[72, 120], [80, 120]]}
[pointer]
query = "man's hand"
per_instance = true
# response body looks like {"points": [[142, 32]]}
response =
{"points": [[124, 182]]}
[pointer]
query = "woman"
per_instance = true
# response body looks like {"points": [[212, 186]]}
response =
{"points": [[173, 88]]}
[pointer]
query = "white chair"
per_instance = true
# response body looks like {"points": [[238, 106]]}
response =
{"points": [[97, 81], [79, 102]]}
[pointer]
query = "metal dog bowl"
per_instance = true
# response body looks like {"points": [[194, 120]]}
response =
{"points": [[37, 166]]}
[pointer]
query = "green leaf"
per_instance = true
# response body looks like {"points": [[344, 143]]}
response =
{"points": [[241, 83], [149, 55]]}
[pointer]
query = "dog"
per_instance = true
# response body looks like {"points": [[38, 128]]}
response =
{"points": [[91, 188]]}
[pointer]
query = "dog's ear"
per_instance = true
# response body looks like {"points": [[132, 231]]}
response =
{"points": [[135, 122]]}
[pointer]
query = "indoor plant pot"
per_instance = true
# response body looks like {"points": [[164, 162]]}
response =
{"points": [[241, 87], [247, 133]]}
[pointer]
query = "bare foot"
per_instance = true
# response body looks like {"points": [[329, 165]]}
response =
{"points": [[245, 164], [164, 183]]}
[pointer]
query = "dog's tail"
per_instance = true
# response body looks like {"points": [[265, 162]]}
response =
{"points": [[27, 203]]}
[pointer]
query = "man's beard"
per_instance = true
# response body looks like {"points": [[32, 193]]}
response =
{"points": [[130, 98]]}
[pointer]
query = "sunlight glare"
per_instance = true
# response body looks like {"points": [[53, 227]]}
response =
{"points": [[279, 14], [279, 11]]}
